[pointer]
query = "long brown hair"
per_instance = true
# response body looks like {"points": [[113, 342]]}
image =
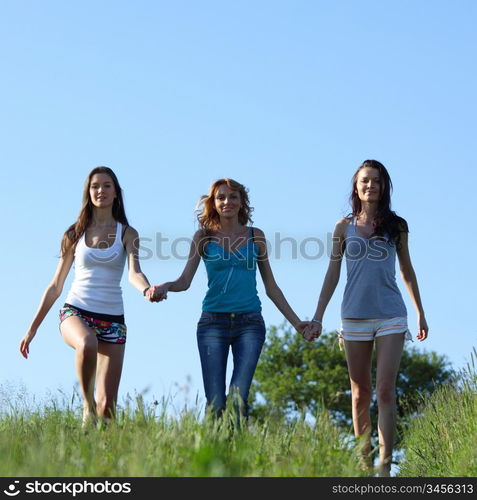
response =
{"points": [[85, 217], [208, 217], [386, 221]]}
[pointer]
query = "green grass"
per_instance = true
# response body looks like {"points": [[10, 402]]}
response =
{"points": [[48, 441], [442, 441]]}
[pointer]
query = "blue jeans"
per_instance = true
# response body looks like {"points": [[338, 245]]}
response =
{"points": [[216, 333]]}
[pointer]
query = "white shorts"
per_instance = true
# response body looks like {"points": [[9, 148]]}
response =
{"points": [[369, 329]]}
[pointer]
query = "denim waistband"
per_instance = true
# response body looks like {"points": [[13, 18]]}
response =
{"points": [[225, 316], [231, 315]]}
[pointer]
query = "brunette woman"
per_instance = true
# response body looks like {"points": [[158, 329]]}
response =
{"points": [[373, 311], [92, 318]]}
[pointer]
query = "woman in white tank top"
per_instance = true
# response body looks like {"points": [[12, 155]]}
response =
{"points": [[373, 312], [92, 318]]}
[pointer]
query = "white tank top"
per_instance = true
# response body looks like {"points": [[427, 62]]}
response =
{"points": [[96, 284]]}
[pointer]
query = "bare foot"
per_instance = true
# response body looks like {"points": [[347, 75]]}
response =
{"points": [[366, 464], [89, 417], [383, 470]]}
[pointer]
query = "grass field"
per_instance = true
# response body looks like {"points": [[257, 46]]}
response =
{"points": [[442, 441], [47, 440], [144, 442]]}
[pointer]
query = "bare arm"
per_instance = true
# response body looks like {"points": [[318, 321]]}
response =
{"points": [[409, 278], [185, 279], [331, 278], [135, 275], [271, 287], [51, 294]]}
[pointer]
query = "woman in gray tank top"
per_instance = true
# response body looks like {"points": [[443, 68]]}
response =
{"points": [[372, 311]]}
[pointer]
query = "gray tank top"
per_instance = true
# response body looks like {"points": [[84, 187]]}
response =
{"points": [[371, 290]]}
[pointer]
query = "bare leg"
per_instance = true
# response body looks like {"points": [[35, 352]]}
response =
{"points": [[388, 354], [108, 376], [81, 338], [359, 356]]}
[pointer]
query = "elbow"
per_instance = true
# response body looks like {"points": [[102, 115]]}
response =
{"points": [[406, 277], [54, 291], [273, 293], [178, 286], [407, 274], [133, 276], [334, 277], [182, 284]]}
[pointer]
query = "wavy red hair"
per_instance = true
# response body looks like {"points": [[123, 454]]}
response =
{"points": [[208, 217]]}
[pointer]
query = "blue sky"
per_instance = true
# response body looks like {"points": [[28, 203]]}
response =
{"points": [[287, 97]]}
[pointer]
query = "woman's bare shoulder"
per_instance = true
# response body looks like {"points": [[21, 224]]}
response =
{"points": [[342, 224]]}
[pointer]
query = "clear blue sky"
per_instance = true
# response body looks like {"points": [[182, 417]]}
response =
{"points": [[287, 97]]}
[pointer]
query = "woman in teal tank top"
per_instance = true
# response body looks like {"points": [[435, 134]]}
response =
{"points": [[231, 310], [372, 310]]}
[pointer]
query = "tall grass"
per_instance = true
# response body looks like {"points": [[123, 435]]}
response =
{"points": [[442, 442], [47, 440]]}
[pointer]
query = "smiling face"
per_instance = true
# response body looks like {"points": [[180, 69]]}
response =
{"points": [[102, 191], [368, 184], [227, 202]]}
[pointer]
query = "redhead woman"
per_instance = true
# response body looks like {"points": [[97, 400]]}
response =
{"points": [[373, 311], [231, 249]]}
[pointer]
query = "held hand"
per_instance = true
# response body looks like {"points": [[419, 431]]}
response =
{"points": [[302, 327], [25, 343], [150, 293], [313, 331], [423, 329], [159, 292]]}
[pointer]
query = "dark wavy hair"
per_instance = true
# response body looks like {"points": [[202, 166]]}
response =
{"points": [[386, 222], [85, 217], [208, 217]]}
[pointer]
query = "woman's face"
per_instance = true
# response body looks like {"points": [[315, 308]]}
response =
{"points": [[368, 184], [102, 191], [227, 201]]}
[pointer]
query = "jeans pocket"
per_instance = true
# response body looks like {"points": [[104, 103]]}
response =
{"points": [[254, 318], [206, 318]]}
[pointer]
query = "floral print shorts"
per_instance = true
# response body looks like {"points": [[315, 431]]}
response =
{"points": [[106, 331]]}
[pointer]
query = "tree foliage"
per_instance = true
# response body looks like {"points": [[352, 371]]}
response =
{"points": [[296, 376]]}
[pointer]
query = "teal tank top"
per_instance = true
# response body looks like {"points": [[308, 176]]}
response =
{"points": [[232, 284]]}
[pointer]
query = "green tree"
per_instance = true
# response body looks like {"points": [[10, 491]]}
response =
{"points": [[294, 377]]}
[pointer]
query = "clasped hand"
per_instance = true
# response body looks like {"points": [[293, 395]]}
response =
{"points": [[157, 293], [311, 331]]}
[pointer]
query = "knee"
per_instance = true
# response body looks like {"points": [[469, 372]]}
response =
{"points": [[361, 395], [386, 393], [88, 346]]}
